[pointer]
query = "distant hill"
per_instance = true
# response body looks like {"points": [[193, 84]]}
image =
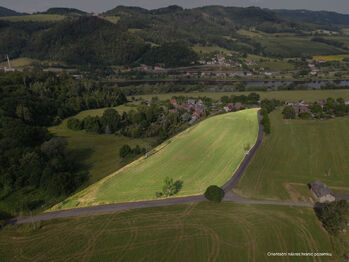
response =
{"points": [[64, 11], [86, 40], [8, 12], [315, 17], [83, 39], [166, 10], [126, 10]]}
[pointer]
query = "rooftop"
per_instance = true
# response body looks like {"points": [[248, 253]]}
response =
{"points": [[320, 189]]}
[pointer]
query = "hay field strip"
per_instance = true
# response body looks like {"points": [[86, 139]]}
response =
{"points": [[205, 154]]}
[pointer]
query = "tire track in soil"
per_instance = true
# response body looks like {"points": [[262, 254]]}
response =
{"points": [[92, 242], [130, 242]]}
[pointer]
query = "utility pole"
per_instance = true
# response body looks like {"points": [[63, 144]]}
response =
{"points": [[8, 61]]}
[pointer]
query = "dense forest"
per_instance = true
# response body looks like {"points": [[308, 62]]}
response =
{"points": [[33, 161]]}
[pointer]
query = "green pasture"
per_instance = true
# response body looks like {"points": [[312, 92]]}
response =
{"points": [[210, 49], [20, 62], [296, 153], [192, 232], [99, 153], [307, 95], [112, 19], [332, 57], [99, 112], [34, 18], [205, 154], [290, 45], [277, 65], [293, 46]]}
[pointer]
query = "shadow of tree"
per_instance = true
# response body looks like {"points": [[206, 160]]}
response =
{"points": [[178, 186]]}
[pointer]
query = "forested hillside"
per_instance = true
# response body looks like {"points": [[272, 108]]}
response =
{"points": [[34, 163], [330, 19], [8, 12], [64, 11], [131, 35]]}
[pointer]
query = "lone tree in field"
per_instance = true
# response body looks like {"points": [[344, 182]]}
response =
{"points": [[214, 193], [170, 188]]}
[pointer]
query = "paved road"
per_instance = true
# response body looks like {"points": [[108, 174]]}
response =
{"points": [[227, 187], [234, 180]]}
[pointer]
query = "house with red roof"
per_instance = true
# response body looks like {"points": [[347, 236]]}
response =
{"points": [[238, 105]]}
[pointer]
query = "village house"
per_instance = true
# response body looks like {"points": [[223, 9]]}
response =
{"points": [[230, 106], [322, 192], [304, 109], [185, 117], [291, 103], [181, 107], [322, 103], [303, 103], [158, 68], [194, 118], [321, 61], [313, 72], [238, 105], [173, 102]]}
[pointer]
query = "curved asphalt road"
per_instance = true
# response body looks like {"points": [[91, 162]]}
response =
{"points": [[227, 187]]}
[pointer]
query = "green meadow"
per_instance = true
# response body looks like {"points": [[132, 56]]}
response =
{"points": [[191, 232], [34, 18], [99, 153], [205, 154], [296, 153], [332, 57]]}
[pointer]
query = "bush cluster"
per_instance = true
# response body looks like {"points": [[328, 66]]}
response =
{"points": [[214, 193], [126, 151], [333, 215]]}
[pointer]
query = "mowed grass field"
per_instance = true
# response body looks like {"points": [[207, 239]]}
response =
{"points": [[332, 57], [296, 153], [307, 95], [34, 18], [205, 154], [20, 62], [99, 153], [192, 232]]}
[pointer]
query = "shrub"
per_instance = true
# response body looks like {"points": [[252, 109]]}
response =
{"points": [[74, 124], [305, 116], [289, 112], [125, 150], [266, 124], [214, 193], [333, 215]]}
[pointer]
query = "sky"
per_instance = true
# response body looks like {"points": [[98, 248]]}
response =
{"points": [[98, 6]]}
